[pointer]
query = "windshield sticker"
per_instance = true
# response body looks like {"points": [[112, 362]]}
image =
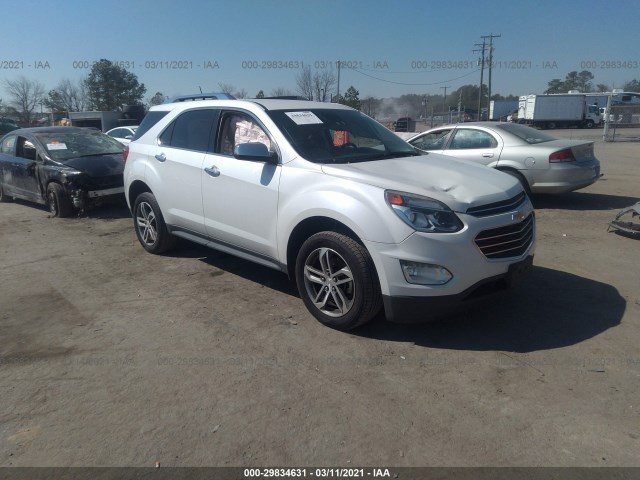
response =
{"points": [[303, 118], [56, 146]]}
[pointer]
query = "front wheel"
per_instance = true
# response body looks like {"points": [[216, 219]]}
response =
{"points": [[151, 230], [337, 280], [589, 124], [58, 201]]}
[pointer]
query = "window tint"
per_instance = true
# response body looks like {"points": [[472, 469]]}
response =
{"points": [[149, 120], [190, 131], [466, 139], [431, 141], [238, 128]]}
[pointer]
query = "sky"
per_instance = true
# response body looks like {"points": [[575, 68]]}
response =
{"points": [[388, 48]]}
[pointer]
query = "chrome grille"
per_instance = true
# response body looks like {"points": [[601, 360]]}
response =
{"points": [[505, 242], [498, 207]]}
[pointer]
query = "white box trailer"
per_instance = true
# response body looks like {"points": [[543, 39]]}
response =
{"points": [[501, 109], [558, 110]]}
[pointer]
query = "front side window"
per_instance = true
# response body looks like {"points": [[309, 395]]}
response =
{"points": [[190, 131], [431, 141], [467, 139], [25, 149], [238, 128]]}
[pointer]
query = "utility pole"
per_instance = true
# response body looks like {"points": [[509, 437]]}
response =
{"points": [[444, 99], [490, 37], [481, 61], [338, 94]]}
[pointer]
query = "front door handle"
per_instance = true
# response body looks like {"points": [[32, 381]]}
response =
{"points": [[161, 157], [487, 155], [213, 171]]}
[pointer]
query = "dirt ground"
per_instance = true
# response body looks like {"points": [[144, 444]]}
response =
{"points": [[110, 356]]}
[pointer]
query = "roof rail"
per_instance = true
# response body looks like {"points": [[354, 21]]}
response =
{"points": [[200, 96]]}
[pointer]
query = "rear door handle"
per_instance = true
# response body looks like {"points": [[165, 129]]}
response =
{"points": [[213, 171], [161, 157], [487, 155]]}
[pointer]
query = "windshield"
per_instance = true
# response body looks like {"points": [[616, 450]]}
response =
{"points": [[339, 136], [528, 134], [64, 146]]}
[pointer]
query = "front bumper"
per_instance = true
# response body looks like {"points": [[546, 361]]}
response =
{"points": [[427, 309], [473, 271], [106, 192]]}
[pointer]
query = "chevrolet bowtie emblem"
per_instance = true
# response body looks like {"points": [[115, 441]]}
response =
{"points": [[518, 216]]}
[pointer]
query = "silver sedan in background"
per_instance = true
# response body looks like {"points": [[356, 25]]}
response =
{"points": [[542, 163]]}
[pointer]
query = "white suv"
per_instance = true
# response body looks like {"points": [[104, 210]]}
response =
{"points": [[329, 196]]}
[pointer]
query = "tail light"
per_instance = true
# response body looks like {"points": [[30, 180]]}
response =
{"points": [[125, 153], [565, 155]]}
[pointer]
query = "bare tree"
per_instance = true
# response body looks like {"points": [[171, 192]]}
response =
{"points": [[242, 93], [226, 88], [281, 92], [304, 82], [323, 83], [24, 95], [67, 97]]}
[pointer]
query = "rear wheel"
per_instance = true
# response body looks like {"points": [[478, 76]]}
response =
{"points": [[4, 198], [337, 280], [58, 201], [149, 223]]}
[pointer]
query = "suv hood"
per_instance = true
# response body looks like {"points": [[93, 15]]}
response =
{"points": [[456, 183]]}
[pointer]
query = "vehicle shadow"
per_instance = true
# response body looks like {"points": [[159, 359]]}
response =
{"points": [[550, 309], [114, 211], [236, 266], [582, 201]]}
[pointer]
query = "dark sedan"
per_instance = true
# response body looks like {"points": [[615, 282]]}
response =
{"points": [[68, 169]]}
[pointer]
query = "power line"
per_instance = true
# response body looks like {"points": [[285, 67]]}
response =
{"points": [[414, 84]]}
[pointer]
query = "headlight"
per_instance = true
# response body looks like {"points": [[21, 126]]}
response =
{"points": [[423, 213]]}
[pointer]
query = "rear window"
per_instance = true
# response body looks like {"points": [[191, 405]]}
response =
{"points": [[528, 134], [149, 120]]}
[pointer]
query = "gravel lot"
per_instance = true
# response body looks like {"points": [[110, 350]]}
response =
{"points": [[113, 357]]}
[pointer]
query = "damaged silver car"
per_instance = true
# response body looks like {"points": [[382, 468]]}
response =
{"points": [[68, 169]]}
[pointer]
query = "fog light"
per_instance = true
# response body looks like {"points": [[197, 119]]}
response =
{"points": [[425, 273]]}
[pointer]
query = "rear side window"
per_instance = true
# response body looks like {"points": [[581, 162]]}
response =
{"points": [[150, 119], [191, 130], [467, 139]]}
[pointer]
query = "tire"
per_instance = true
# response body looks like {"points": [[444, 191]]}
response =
{"points": [[149, 224], [520, 178], [589, 124], [349, 295], [58, 201], [4, 198]]}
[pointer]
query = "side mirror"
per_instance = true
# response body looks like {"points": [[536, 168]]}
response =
{"points": [[254, 151]]}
